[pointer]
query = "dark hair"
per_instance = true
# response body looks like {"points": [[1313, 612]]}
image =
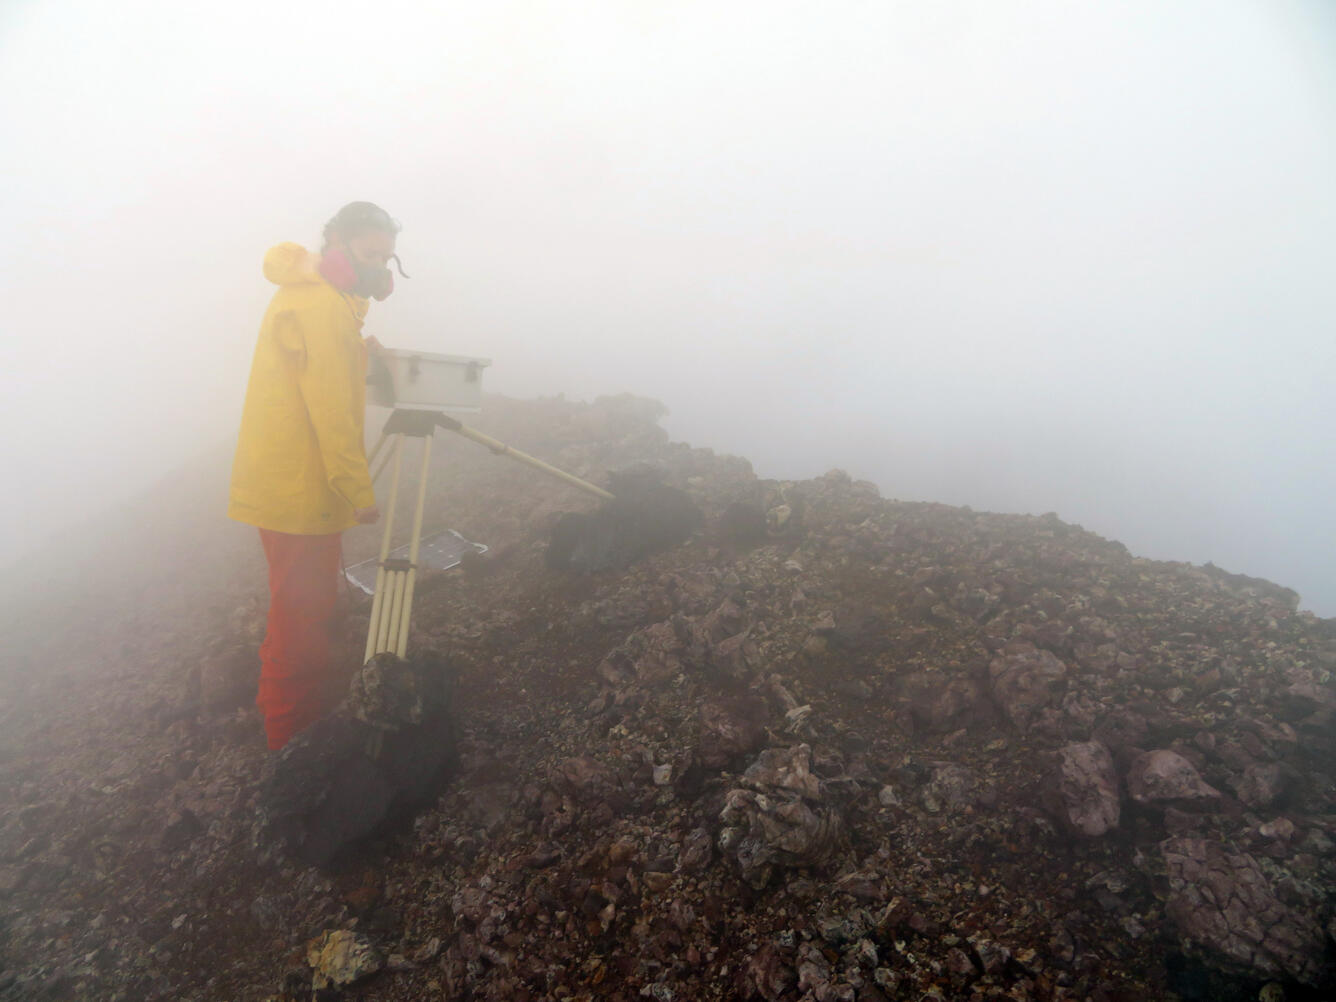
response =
{"points": [[356, 218]]}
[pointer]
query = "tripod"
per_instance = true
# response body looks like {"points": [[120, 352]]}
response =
{"points": [[392, 605], [395, 579]]}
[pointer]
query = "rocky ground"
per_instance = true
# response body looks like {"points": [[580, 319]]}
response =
{"points": [[833, 747]]}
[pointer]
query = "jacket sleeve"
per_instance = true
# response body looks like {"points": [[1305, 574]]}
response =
{"points": [[327, 386]]}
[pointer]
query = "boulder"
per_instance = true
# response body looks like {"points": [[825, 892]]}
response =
{"points": [[1163, 775], [644, 516], [1025, 680], [781, 820], [938, 702], [1261, 784], [340, 957], [385, 747], [1222, 902], [1083, 791]]}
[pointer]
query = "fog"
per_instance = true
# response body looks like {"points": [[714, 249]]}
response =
{"points": [[1028, 256]]}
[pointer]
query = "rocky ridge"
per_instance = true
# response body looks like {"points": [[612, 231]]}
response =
{"points": [[835, 747]]}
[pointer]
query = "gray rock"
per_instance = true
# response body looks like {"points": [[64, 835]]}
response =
{"points": [[1164, 775], [952, 787], [649, 656], [763, 833], [813, 969], [1083, 794], [718, 642], [785, 769], [780, 821], [865, 885], [734, 656], [841, 929]]}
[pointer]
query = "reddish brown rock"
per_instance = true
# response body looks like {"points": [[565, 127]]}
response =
{"points": [[1025, 680], [767, 975], [939, 701], [729, 728], [585, 777]]}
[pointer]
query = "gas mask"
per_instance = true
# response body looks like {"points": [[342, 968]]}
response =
{"points": [[347, 274]]}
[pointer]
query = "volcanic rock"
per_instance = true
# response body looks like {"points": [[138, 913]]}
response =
{"points": [[1025, 680], [1223, 902], [340, 957], [644, 516], [866, 756], [1261, 784], [939, 703], [730, 727], [781, 821], [1164, 775], [385, 747], [1084, 795]]}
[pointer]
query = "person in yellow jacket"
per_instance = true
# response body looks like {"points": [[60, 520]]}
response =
{"points": [[300, 472]]}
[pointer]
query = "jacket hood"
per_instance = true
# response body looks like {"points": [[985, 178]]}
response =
{"points": [[291, 264]]}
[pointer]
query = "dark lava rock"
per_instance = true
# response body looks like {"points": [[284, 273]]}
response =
{"points": [[645, 516], [384, 748]]}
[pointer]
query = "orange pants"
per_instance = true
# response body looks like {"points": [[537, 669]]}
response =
{"points": [[296, 669]]}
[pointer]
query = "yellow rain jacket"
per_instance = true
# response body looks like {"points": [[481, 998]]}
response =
{"points": [[300, 465]]}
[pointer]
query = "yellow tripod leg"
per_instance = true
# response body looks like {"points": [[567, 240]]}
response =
{"points": [[389, 613], [413, 547], [379, 606]]}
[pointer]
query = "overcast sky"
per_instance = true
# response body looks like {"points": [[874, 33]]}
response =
{"points": [[1025, 256]]}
